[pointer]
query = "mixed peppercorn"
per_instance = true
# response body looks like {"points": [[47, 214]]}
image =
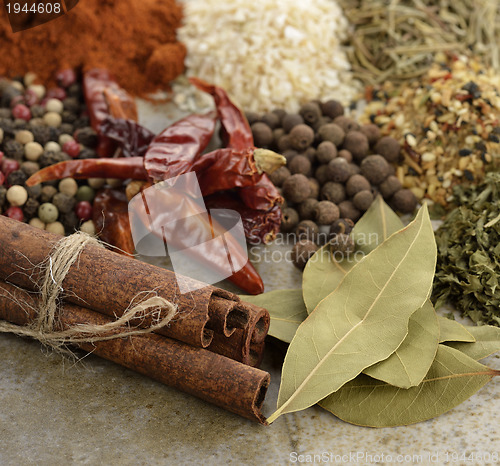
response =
{"points": [[335, 169], [40, 127]]}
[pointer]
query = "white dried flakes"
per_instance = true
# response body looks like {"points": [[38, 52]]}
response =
{"points": [[269, 53]]}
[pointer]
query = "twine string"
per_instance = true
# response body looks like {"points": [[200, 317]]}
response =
{"points": [[145, 306]]}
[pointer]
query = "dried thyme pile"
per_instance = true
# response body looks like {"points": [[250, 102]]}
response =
{"points": [[468, 267], [448, 123], [397, 40]]}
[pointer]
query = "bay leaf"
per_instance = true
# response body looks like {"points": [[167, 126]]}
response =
{"points": [[286, 308], [452, 378], [323, 274], [487, 341], [363, 321], [451, 330], [409, 364]]}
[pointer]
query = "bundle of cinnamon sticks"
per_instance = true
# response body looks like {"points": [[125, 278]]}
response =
{"points": [[209, 349]]}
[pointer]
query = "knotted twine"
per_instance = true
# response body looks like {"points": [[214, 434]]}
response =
{"points": [[54, 270]]}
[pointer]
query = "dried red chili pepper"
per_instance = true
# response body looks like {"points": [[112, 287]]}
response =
{"points": [[104, 97], [261, 226], [110, 216], [176, 148], [132, 138]]}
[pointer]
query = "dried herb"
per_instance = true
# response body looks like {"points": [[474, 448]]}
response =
{"points": [[323, 274], [368, 327], [287, 311], [398, 40], [451, 330], [487, 342], [452, 379], [468, 268]]}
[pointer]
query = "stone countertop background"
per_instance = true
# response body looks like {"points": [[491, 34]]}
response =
{"points": [[58, 412]]}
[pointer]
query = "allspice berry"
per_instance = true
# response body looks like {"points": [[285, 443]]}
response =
{"points": [[341, 225], [348, 210], [404, 201], [289, 220], [271, 119], [296, 188], [279, 176], [345, 154], [389, 148], [340, 246], [326, 151], [375, 168], [372, 133], [321, 174], [302, 251], [300, 164], [333, 192], [363, 200], [262, 134], [315, 188], [301, 137], [347, 124], [290, 121], [355, 184], [333, 133], [307, 209], [339, 170], [284, 143], [389, 186], [332, 109], [357, 144], [310, 112], [307, 229], [326, 213]]}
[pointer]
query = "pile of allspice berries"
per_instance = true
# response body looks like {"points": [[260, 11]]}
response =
{"points": [[335, 169]]}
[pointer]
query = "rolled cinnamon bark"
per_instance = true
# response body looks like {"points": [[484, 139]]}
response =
{"points": [[107, 282], [224, 382]]}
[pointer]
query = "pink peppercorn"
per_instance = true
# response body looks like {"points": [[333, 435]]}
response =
{"points": [[22, 112], [83, 210], [72, 148], [15, 213]]}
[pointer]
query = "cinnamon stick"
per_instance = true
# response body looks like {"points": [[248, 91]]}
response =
{"points": [[107, 282], [224, 382]]}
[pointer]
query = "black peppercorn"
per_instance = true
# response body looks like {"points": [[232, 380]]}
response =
{"points": [[30, 208], [71, 104], [331, 132], [388, 148], [334, 192], [289, 220], [302, 251], [70, 221], [326, 213], [48, 192], [63, 202], [307, 229], [3, 195], [16, 177], [87, 153], [355, 184], [66, 128], [375, 168], [81, 122], [42, 134], [296, 188], [291, 120], [262, 134], [37, 111], [332, 108], [307, 209], [326, 152], [68, 117], [29, 168], [34, 191], [13, 150], [301, 137]]}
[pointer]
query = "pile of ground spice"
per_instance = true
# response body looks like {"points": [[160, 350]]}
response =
{"points": [[135, 40]]}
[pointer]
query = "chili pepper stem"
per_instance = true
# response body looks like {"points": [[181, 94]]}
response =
{"points": [[267, 161]]}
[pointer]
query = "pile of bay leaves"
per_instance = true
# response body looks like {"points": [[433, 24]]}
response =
{"points": [[365, 340]]}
